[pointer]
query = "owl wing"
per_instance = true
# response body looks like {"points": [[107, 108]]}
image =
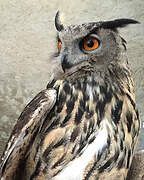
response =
{"points": [[26, 129]]}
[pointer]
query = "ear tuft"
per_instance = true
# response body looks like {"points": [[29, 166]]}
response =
{"points": [[58, 22], [118, 23]]}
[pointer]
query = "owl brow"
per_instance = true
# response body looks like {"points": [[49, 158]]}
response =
{"points": [[94, 30]]}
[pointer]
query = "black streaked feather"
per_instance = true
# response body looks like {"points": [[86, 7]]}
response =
{"points": [[58, 24], [118, 23]]}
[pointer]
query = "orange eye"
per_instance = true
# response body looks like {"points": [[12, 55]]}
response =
{"points": [[90, 43], [59, 45]]}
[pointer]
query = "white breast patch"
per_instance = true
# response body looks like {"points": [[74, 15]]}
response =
{"points": [[74, 170]]}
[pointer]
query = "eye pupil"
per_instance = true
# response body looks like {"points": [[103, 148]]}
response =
{"points": [[90, 43]]}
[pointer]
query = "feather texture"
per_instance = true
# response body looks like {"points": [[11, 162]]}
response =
{"points": [[85, 125]]}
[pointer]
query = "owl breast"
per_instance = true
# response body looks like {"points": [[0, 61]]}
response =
{"points": [[94, 129], [75, 169]]}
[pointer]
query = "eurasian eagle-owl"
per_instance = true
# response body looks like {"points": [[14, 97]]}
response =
{"points": [[85, 125]]}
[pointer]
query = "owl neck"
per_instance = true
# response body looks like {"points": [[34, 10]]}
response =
{"points": [[117, 76]]}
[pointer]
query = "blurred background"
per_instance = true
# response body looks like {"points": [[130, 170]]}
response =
{"points": [[27, 40]]}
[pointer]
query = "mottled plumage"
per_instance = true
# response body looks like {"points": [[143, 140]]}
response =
{"points": [[85, 125]]}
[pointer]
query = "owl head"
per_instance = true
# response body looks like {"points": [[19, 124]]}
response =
{"points": [[90, 47]]}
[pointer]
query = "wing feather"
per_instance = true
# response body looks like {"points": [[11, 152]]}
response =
{"points": [[25, 130]]}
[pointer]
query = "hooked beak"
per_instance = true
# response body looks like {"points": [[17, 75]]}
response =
{"points": [[64, 63]]}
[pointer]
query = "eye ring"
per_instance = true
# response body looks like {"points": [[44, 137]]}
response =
{"points": [[90, 43], [59, 45]]}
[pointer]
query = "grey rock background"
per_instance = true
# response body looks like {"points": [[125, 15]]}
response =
{"points": [[27, 39]]}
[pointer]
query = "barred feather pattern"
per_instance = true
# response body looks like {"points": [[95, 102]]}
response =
{"points": [[93, 127]]}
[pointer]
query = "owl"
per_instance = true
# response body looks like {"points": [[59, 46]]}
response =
{"points": [[84, 125]]}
